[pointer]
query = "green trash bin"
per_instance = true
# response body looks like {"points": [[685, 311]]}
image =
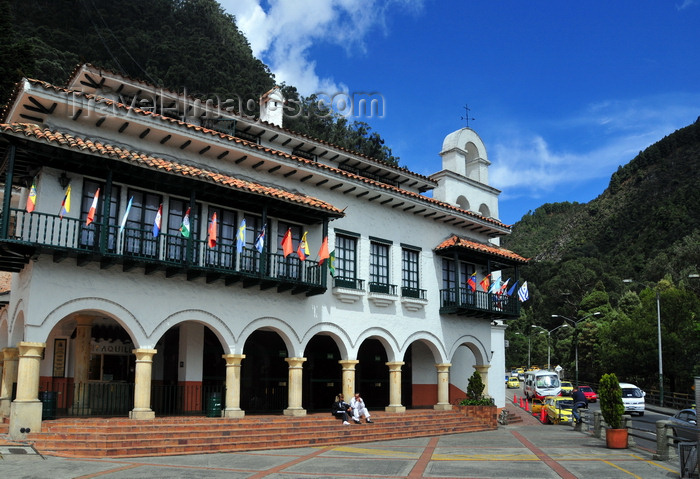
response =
{"points": [[214, 405], [48, 404]]}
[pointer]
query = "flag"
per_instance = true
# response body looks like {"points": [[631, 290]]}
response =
{"points": [[260, 240], [212, 231], [471, 282], [495, 286], [157, 222], [31, 199], [240, 237], [126, 214], [523, 293], [331, 263], [65, 206], [503, 287], [287, 242], [485, 283], [323, 252], [93, 208], [303, 248], [185, 226], [512, 288]]}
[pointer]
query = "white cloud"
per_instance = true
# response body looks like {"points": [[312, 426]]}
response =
{"points": [[613, 134], [282, 32]]}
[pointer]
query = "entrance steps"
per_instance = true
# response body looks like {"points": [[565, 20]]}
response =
{"points": [[121, 437]]}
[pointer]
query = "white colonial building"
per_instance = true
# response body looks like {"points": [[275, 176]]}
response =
{"points": [[110, 317]]}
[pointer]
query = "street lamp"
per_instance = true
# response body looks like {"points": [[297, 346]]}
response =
{"points": [[528, 348], [549, 335], [658, 330], [575, 323]]}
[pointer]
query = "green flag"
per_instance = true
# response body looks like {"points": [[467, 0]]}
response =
{"points": [[185, 226], [331, 263]]}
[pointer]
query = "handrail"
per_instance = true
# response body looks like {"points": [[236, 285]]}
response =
{"points": [[465, 298]]}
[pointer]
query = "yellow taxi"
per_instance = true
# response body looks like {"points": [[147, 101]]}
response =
{"points": [[536, 406], [558, 409], [566, 388], [513, 382]]}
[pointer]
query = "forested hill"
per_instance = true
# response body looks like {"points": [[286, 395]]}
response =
{"points": [[175, 44], [646, 224]]}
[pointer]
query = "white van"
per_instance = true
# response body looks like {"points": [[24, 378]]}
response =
{"points": [[541, 383], [632, 398]]}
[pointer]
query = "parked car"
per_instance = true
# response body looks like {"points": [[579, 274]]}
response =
{"points": [[632, 398], [513, 383], [537, 405], [566, 388], [685, 425], [590, 394], [558, 409]]}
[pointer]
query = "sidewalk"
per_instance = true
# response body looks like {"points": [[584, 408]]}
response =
{"points": [[522, 450]]}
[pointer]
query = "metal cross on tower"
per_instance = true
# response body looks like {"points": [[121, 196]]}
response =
{"points": [[467, 109]]}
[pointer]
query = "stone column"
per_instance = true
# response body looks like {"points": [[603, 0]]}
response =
{"points": [[295, 375], [9, 377], [484, 371], [25, 411], [233, 385], [443, 387], [348, 387], [395, 387], [142, 384], [81, 369]]}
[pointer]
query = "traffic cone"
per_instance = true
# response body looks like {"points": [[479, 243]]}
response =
{"points": [[543, 415], [515, 399], [527, 406], [521, 402]]}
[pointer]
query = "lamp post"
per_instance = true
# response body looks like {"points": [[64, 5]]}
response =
{"points": [[575, 323], [658, 330], [528, 348], [549, 335]]}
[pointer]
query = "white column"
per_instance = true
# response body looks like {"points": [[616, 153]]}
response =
{"points": [[443, 387], [233, 385], [294, 387], [142, 384], [9, 377], [348, 387], [395, 387], [25, 411]]}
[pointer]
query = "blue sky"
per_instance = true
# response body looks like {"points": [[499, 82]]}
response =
{"points": [[562, 93]]}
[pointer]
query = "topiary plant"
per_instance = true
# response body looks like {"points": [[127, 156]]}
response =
{"points": [[610, 396], [475, 386]]}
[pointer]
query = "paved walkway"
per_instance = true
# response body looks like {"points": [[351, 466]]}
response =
{"points": [[522, 450]]}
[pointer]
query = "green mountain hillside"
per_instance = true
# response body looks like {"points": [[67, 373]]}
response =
{"points": [[645, 226]]}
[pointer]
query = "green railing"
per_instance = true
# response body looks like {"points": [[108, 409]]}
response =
{"points": [[464, 300], [71, 235]]}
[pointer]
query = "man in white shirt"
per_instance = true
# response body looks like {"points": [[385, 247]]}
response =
{"points": [[359, 409]]}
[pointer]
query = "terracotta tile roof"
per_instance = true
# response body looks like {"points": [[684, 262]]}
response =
{"points": [[456, 242], [272, 151], [70, 141], [268, 125]]}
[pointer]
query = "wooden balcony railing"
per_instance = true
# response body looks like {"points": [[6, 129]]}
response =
{"points": [[108, 243], [465, 301]]}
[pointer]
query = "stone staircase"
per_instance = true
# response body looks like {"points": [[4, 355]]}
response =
{"points": [[121, 437]]}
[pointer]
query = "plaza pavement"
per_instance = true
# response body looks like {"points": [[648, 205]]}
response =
{"points": [[525, 449]]}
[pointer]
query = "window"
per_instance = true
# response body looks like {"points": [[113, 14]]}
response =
{"points": [[223, 255], [346, 261], [250, 259], [138, 231], [379, 267], [90, 234], [449, 278], [175, 242], [410, 269]]}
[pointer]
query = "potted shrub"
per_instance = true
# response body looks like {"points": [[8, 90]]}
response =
{"points": [[612, 409], [477, 405]]}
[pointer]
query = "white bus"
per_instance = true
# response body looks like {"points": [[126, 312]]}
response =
{"points": [[540, 383]]}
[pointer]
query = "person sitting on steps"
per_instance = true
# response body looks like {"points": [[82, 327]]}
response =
{"points": [[341, 409], [359, 409]]}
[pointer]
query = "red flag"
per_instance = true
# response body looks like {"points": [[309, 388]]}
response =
{"points": [[486, 282], [212, 231], [93, 208], [323, 252], [287, 243]]}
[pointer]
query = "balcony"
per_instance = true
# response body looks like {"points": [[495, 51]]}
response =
{"points": [[382, 294], [464, 301], [29, 234], [347, 289]]}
